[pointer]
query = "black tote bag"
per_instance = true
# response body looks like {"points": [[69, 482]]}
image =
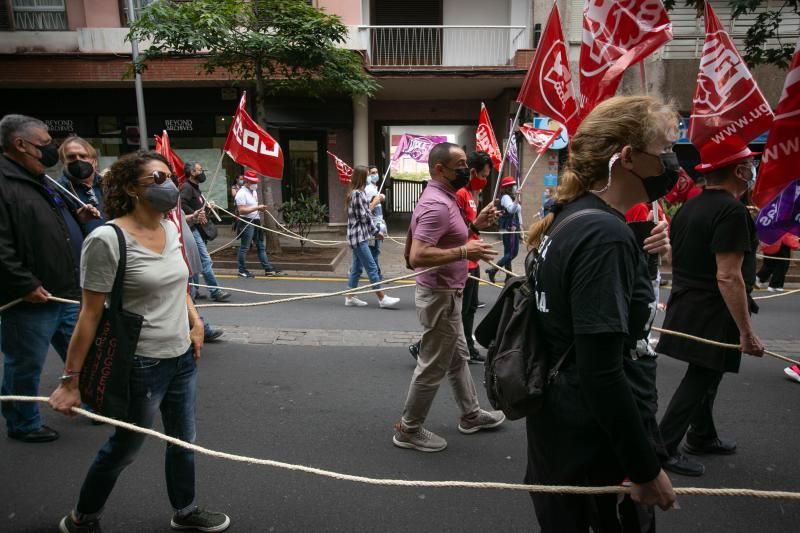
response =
{"points": [[105, 376]]}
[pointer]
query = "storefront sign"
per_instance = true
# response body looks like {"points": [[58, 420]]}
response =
{"points": [[550, 180], [178, 125], [60, 125]]}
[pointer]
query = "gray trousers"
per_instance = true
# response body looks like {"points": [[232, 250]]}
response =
{"points": [[443, 352]]}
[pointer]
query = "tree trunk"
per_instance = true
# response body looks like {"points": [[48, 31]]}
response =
{"points": [[273, 241]]}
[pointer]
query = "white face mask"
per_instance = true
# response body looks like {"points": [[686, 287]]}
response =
{"points": [[372, 178], [254, 187]]}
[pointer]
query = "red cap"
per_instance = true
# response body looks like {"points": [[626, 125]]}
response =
{"points": [[715, 156], [251, 176], [508, 181]]}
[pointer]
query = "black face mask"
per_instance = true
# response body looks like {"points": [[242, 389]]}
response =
{"points": [[200, 177], [80, 170], [462, 177], [658, 186], [49, 153]]}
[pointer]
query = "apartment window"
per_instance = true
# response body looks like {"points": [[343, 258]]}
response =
{"points": [[39, 15], [138, 5]]}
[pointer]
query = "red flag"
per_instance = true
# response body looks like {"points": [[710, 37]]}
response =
{"points": [[163, 147], [249, 145], [547, 88], [617, 35], [485, 139], [343, 169], [680, 192], [780, 164], [538, 138], [728, 110]]}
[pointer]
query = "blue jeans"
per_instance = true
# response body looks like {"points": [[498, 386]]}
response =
{"points": [[168, 385], [205, 262], [375, 250], [510, 249], [250, 233], [362, 259], [26, 333]]}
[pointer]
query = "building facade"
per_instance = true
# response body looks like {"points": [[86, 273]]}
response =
{"points": [[436, 61]]}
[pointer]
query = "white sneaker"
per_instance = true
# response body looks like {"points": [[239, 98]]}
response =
{"points": [[774, 289], [352, 301], [761, 284], [389, 302], [793, 372]]}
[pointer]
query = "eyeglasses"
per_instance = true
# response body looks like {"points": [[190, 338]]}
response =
{"points": [[159, 177]]}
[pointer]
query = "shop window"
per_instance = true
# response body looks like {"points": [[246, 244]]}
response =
{"points": [[39, 15], [221, 124]]}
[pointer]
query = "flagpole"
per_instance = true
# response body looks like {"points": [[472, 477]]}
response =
{"points": [[529, 171], [213, 181], [505, 152], [385, 174], [66, 191]]}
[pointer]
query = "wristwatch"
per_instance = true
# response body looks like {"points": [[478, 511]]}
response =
{"points": [[65, 378]]}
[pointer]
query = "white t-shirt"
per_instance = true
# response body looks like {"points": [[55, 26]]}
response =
{"points": [[154, 286], [371, 190], [247, 198]]}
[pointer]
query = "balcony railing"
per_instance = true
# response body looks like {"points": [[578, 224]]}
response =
{"points": [[441, 46]]}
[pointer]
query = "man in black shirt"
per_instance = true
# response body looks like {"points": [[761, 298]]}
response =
{"points": [[714, 244], [40, 247]]}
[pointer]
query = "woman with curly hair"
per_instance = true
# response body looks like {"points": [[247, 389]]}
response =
{"points": [[138, 192]]}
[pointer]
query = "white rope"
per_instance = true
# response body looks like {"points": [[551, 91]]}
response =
{"points": [[224, 246], [762, 256], [720, 344], [485, 281], [287, 235], [777, 295], [12, 303], [485, 485], [261, 293], [321, 295]]}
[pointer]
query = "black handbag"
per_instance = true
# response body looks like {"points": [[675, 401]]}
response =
{"points": [[208, 231], [105, 377]]}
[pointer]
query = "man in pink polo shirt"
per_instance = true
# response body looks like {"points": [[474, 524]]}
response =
{"points": [[440, 238]]}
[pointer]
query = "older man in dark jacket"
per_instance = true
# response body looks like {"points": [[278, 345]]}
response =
{"points": [[40, 246]]}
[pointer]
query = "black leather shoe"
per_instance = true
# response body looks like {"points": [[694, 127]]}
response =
{"points": [[213, 335], [717, 447], [43, 434], [680, 464], [475, 357]]}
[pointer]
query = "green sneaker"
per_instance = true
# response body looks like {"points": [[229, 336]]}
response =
{"points": [[201, 520]]}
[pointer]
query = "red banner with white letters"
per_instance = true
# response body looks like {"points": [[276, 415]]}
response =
{"points": [[249, 145], [616, 35], [343, 169], [729, 109], [780, 163], [485, 140], [538, 138], [547, 88]]}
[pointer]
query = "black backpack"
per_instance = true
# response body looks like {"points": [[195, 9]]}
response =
{"points": [[517, 368]]}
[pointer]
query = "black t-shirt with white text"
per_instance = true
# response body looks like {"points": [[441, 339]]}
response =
{"points": [[593, 278], [710, 223]]}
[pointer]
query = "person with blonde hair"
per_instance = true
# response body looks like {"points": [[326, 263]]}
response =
{"points": [[595, 301]]}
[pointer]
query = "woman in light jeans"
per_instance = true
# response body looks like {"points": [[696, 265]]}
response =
{"points": [[361, 226], [138, 192]]}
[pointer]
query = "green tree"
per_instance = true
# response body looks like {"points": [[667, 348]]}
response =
{"points": [[283, 46], [764, 28], [301, 214]]}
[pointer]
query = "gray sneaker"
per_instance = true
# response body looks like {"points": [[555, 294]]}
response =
{"points": [[68, 525], [421, 440], [482, 420], [201, 520]]}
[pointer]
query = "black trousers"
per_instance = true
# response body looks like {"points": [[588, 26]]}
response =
{"points": [[691, 409], [775, 270], [469, 305]]}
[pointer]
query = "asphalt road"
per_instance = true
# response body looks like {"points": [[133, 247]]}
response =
{"points": [[333, 408]]}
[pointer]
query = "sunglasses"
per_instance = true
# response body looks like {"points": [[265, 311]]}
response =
{"points": [[159, 177]]}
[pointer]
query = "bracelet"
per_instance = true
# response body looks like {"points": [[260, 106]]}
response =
{"points": [[71, 372], [463, 252]]}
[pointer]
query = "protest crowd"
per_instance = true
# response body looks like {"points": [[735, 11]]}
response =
{"points": [[130, 245]]}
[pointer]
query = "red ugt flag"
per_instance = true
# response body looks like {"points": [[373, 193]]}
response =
{"points": [[538, 138], [616, 35], [163, 147], [780, 164], [547, 88], [728, 110], [343, 169], [485, 139], [249, 145]]}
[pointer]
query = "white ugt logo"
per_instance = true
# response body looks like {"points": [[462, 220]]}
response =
{"points": [[723, 70]]}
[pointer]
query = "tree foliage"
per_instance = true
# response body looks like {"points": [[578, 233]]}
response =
{"points": [[301, 214], [764, 28], [284, 45]]}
